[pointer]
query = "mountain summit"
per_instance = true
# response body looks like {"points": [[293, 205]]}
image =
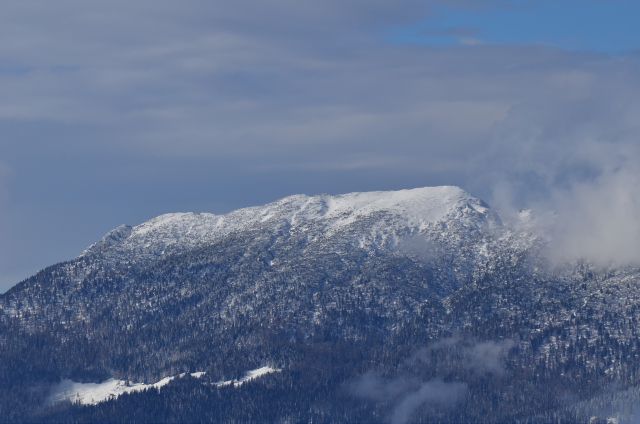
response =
{"points": [[370, 216]]}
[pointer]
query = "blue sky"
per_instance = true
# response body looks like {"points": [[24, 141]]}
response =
{"points": [[586, 25], [115, 112]]}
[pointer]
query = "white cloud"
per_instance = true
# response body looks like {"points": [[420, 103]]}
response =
{"points": [[599, 221], [405, 396]]}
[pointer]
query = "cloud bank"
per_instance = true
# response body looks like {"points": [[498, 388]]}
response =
{"points": [[598, 221]]}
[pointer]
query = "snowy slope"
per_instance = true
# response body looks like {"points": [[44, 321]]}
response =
{"points": [[403, 211], [94, 393], [452, 232], [249, 376]]}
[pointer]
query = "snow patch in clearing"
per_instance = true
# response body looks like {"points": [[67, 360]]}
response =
{"points": [[94, 393], [250, 375]]}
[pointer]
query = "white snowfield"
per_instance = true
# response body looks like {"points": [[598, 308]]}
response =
{"points": [[94, 393], [415, 209], [250, 375]]}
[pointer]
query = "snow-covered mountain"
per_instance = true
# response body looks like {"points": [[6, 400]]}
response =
{"points": [[409, 289], [373, 219]]}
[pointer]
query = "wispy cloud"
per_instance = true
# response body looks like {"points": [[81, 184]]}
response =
{"points": [[479, 357], [406, 395], [419, 385], [597, 221]]}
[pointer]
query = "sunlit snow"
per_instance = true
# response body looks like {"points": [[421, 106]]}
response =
{"points": [[414, 210], [250, 375], [93, 393]]}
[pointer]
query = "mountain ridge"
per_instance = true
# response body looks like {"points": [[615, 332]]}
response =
{"points": [[168, 233]]}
